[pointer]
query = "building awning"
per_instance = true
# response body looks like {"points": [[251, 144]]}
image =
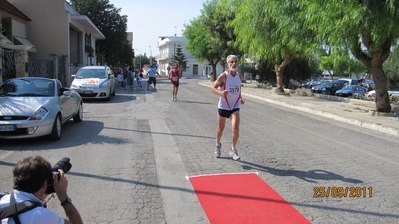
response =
{"points": [[5, 42], [23, 41], [86, 26]]}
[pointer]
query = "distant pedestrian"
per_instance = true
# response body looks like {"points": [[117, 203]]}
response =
{"points": [[228, 87], [140, 81], [129, 80], [119, 78], [168, 68], [136, 76], [125, 75], [181, 71], [174, 76], [151, 77]]}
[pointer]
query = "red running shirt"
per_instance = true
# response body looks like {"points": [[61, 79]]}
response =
{"points": [[174, 76]]}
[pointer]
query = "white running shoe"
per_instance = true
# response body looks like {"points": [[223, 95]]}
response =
{"points": [[234, 154], [217, 150]]}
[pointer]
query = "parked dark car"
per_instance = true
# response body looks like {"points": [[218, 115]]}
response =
{"points": [[351, 90], [319, 88], [336, 85], [310, 84]]}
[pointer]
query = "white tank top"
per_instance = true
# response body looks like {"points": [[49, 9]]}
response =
{"points": [[233, 98]]}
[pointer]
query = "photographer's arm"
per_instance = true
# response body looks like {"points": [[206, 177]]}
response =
{"points": [[72, 214], [60, 187]]}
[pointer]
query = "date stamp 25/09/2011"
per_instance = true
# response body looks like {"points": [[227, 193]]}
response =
{"points": [[342, 192]]}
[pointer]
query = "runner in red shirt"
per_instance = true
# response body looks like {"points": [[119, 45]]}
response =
{"points": [[174, 76]]}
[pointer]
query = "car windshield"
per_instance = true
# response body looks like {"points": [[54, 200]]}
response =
{"points": [[323, 84], [91, 73], [348, 87], [27, 87], [328, 84]]}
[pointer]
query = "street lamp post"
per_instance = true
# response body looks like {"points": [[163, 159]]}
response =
{"points": [[150, 53], [140, 57]]}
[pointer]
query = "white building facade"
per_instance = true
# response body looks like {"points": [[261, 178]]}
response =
{"points": [[167, 46]]}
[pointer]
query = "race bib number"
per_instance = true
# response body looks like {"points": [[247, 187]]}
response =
{"points": [[233, 89], [175, 79]]}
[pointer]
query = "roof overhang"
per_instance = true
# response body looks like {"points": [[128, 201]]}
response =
{"points": [[27, 45], [5, 42], [85, 23], [24, 44]]}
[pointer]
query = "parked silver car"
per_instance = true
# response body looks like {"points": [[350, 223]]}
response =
{"points": [[32, 107], [94, 82]]}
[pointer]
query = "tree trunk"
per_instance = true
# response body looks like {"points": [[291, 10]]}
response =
{"points": [[382, 103], [374, 64], [279, 79], [213, 76], [279, 69]]}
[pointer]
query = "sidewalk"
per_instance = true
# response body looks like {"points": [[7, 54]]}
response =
{"points": [[352, 111]]}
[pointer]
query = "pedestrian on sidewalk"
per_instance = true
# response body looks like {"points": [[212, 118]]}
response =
{"points": [[136, 76], [228, 87], [119, 78], [130, 79], [125, 74], [140, 81], [174, 76]]}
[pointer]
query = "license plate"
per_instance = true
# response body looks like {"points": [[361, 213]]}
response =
{"points": [[87, 92], [8, 128]]}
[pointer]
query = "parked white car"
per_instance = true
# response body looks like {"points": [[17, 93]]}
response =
{"points": [[394, 93], [94, 82]]}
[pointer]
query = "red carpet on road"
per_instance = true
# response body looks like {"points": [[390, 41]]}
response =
{"points": [[242, 198]]}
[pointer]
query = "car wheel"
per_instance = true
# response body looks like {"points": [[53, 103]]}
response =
{"points": [[56, 131], [79, 115]]}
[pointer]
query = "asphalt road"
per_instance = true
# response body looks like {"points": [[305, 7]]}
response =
{"points": [[131, 157]]}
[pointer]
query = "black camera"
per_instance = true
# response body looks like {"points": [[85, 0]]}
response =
{"points": [[65, 166]]}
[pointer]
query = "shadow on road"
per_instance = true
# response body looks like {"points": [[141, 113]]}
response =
{"points": [[308, 176]]}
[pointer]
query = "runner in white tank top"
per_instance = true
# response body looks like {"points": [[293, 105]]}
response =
{"points": [[228, 87], [233, 98]]}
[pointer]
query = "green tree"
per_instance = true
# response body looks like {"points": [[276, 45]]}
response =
{"points": [[208, 36], [141, 60], [200, 43], [116, 48], [179, 58], [219, 15], [273, 31], [342, 65], [391, 68], [369, 29]]}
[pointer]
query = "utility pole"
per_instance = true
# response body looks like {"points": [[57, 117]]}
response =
{"points": [[140, 57]]}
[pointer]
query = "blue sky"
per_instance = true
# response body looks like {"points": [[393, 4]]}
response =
{"points": [[150, 19]]}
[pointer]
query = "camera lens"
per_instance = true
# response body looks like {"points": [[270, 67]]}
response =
{"points": [[65, 166]]}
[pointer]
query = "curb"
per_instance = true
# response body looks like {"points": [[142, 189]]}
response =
{"points": [[368, 125], [357, 122]]}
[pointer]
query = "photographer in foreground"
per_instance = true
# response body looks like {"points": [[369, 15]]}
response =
{"points": [[31, 182]]}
